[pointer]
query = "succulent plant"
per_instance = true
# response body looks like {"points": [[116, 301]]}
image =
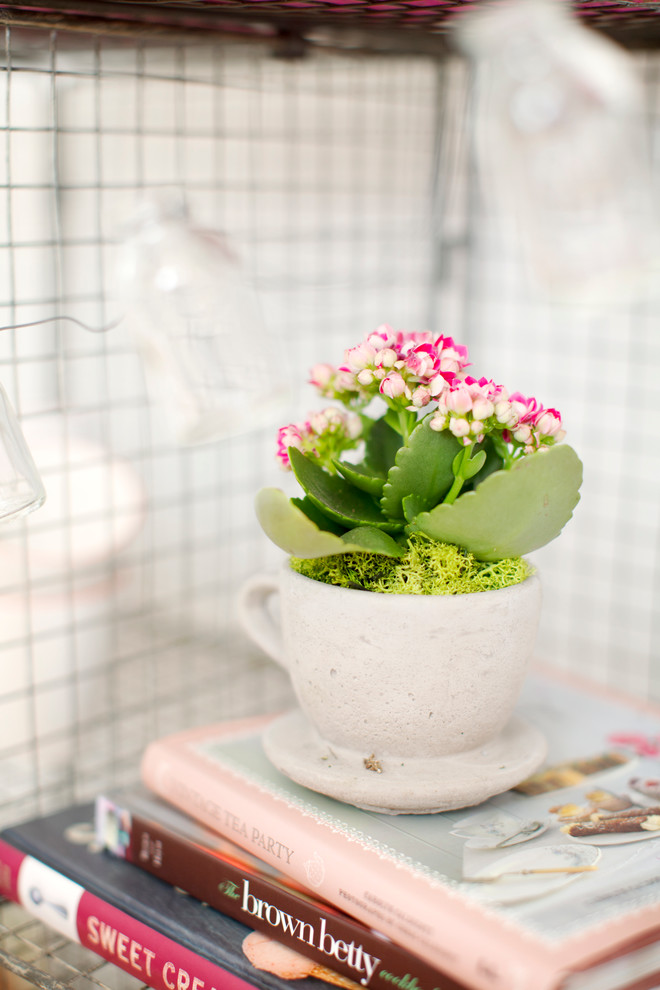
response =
{"points": [[452, 458]]}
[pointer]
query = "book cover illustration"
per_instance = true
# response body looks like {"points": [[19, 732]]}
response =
{"points": [[567, 867], [64, 861]]}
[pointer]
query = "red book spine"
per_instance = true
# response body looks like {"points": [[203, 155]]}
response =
{"points": [[313, 929], [128, 943]]}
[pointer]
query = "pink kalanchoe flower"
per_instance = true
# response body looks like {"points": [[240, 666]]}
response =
{"points": [[322, 375], [324, 435], [407, 340], [334, 383], [528, 409], [360, 357], [386, 358], [317, 423], [439, 420], [345, 381], [422, 361], [506, 415], [483, 387], [438, 384], [482, 408], [393, 386], [453, 357], [396, 364], [458, 399], [475, 402], [523, 433], [548, 424], [350, 423], [288, 436], [420, 397], [382, 336], [460, 427], [536, 427]]}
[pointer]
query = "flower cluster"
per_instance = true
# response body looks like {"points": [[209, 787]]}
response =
{"points": [[407, 368], [418, 373], [325, 435], [432, 453], [473, 408]]}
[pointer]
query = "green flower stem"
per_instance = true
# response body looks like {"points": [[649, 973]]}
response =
{"points": [[460, 475], [402, 420], [408, 423], [503, 450]]}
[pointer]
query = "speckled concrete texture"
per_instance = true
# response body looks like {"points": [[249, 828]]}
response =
{"points": [[398, 677]]}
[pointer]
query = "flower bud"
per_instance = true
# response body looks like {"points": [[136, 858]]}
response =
{"points": [[321, 375], [381, 337], [482, 408], [333, 416], [359, 357], [459, 400], [522, 433], [437, 385], [393, 386], [318, 422], [459, 427], [421, 362], [386, 358], [345, 381], [438, 422], [288, 436], [548, 423], [421, 397], [505, 413]]}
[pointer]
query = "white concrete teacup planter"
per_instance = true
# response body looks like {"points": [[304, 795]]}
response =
{"points": [[406, 702]]}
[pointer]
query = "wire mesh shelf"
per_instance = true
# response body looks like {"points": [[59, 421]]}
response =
{"points": [[33, 955], [290, 26], [347, 186]]}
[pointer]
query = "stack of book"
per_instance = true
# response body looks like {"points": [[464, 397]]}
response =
{"points": [[215, 872]]}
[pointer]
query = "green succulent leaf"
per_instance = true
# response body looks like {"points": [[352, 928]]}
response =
{"points": [[314, 513], [360, 476], [372, 540], [512, 512], [382, 443], [381, 447], [423, 468], [292, 530], [468, 465], [337, 498], [474, 465], [412, 506]]}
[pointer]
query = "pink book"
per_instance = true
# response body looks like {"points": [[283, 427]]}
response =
{"points": [[553, 884]]}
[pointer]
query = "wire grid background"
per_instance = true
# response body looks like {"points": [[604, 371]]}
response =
{"points": [[346, 186]]}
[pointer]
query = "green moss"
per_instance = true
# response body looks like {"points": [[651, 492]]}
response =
{"points": [[427, 568]]}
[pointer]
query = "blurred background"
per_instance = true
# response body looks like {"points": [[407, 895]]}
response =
{"points": [[409, 162]]}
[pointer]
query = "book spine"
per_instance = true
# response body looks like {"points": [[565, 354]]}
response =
{"points": [[113, 935], [325, 936], [444, 930]]}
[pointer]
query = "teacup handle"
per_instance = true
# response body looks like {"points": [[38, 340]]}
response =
{"points": [[256, 618]]}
